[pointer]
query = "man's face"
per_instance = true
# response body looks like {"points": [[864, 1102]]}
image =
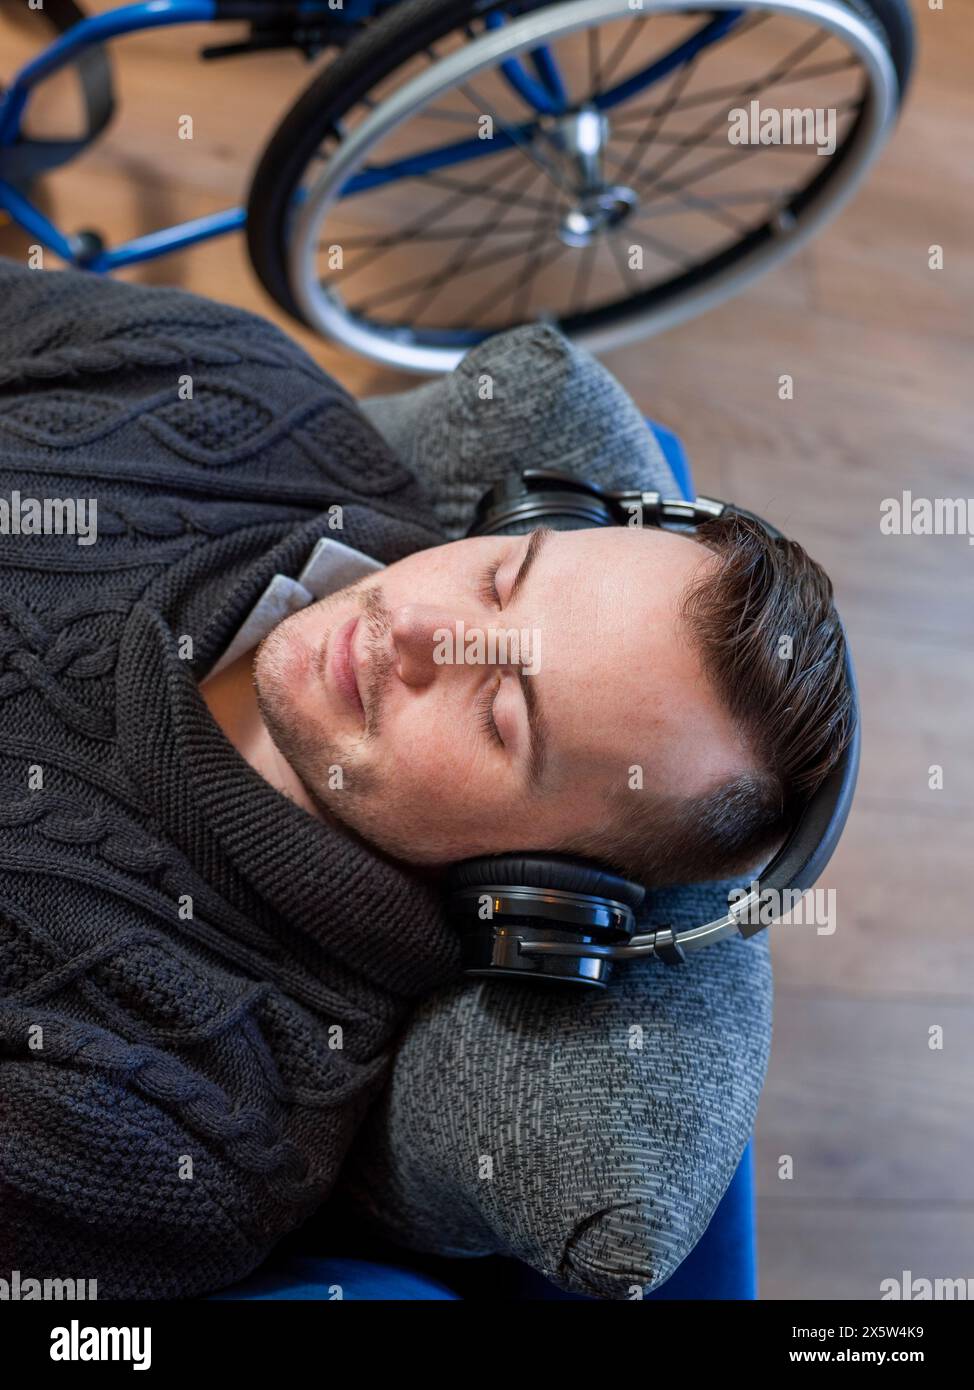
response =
{"points": [[452, 752]]}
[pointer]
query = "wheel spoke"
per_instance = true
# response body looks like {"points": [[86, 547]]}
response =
{"points": [[458, 117], [637, 155], [663, 249], [484, 108], [753, 89], [763, 195], [394, 240], [737, 152], [730, 93], [460, 263], [714, 167], [522, 291], [594, 60], [435, 282], [474, 190], [619, 259], [715, 211], [582, 275], [499, 293], [695, 202], [623, 46], [440, 234]]}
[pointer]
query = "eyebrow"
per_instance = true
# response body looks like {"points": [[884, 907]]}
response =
{"points": [[538, 742]]}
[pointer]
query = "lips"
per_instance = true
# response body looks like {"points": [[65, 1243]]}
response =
{"points": [[342, 667]]}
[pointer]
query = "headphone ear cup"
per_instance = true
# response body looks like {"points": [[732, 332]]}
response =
{"points": [[512, 507], [502, 524], [549, 901], [537, 870]]}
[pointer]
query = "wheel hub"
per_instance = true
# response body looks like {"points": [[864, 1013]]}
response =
{"points": [[579, 138], [595, 213]]}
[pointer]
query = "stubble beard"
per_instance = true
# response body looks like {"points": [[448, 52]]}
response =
{"points": [[312, 754]]}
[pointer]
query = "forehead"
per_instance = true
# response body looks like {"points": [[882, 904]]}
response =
{"points": [[636, 555], [619, 585]]}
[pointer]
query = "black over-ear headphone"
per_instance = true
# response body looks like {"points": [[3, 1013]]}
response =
{"points": [[552, 917]]}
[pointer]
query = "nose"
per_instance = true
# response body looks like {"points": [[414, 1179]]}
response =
{"points": [[428, 639]]}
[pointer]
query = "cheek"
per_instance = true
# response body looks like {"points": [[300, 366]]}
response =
{"points": [[435, 766]]}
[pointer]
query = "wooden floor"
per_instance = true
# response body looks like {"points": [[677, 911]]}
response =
{"points": [[880, 1126]]}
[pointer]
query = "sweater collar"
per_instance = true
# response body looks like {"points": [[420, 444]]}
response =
{"points": [[380, 917]]}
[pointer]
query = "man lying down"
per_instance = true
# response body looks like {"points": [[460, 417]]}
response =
{"points": [[235, 764]]}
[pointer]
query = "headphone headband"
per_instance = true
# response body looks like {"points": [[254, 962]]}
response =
{"points": [[554, 917], [539, 493]]}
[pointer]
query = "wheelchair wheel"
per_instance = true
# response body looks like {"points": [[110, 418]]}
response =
{"points": [[599, 164]]}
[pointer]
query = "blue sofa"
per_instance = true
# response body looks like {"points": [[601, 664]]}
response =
{"points": [[720, 1266]]}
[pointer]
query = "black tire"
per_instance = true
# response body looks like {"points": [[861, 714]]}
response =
{"points": [[372, 56]]}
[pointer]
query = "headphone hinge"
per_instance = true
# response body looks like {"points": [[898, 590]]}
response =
{"points": [[667, 946]]}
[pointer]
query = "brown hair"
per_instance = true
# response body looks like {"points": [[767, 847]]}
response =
{"points": [[765, 625]]}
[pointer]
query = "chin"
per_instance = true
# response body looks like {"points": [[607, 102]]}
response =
{"points": [[280, 665], [282, 662]]}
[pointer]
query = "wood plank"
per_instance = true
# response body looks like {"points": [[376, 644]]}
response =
{"points": [[934, 684], [901, 897], [863, 1105], [822, 1251]]}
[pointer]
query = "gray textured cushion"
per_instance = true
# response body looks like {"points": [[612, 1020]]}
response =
{"points": [[551, 406], [590, 1136]]}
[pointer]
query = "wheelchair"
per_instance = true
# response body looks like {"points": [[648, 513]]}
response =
{"points": [[459, 167]]}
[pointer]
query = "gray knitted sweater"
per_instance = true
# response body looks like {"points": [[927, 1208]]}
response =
{"points": [[199, 983]]}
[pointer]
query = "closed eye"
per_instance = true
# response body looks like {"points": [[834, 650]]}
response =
{"points": [[487, 587], [485, 714], [487, 590]]}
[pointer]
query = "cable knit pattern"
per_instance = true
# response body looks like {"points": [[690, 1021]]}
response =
{"points": [[199, 983], [179, 943]]}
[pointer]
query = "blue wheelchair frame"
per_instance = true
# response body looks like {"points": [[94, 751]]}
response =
{"points": [[543, 91]]}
